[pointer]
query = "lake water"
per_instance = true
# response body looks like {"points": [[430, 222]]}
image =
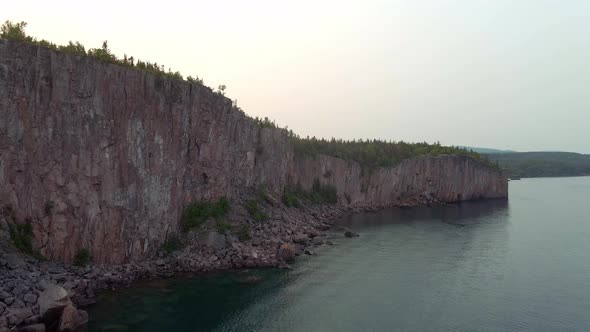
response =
{"points": [[520, 265]]}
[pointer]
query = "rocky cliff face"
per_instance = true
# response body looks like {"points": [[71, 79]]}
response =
{"points": [[104, 157]]}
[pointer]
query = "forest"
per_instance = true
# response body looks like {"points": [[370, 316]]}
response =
{"points": [[370, 152], [542, 164]]}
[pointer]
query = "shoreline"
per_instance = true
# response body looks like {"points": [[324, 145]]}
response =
{"points": [[275, 244]]}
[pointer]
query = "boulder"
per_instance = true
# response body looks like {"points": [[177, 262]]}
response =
{"points": [[312, 232], [4, 295], [301, 238], [350, 234], [14, 261], [52, 302], [30, 298], [317, 241], [216, 240], [286, 252], [53, 296], [72, 319]]}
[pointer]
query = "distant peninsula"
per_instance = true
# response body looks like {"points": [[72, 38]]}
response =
{"points": [[542, 164]]}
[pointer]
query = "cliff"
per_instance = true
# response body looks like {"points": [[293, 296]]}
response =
{"points": [[105, 157]]}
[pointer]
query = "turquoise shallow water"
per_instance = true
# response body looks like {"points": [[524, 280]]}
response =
{"points": [[520, 265]]}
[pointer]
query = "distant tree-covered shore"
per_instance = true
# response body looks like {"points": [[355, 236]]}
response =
{"points": [[542, 164]]}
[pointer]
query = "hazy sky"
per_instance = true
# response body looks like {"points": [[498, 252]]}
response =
{"points": [[511, 74]]}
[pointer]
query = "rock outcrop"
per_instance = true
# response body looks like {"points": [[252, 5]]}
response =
{"points": [[104, 157]]}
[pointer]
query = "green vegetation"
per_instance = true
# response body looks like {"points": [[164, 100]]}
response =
{"points": [[323, 193], [543, 164], [16, 32], [254, 205], [222, 226], [256, 212], [22, 237], [373, 153], [82, 257], [198, 213], [243, 233], [262, 193], [368, 153], [295, 196], [292, 196], [265, 123], [171, 244]]}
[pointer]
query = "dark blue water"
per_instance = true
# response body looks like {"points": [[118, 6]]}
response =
{"points": [[520, 265]]}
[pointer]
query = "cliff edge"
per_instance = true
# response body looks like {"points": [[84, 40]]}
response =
{"points": [[105, 157]]}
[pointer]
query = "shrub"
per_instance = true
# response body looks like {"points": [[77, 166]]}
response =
{"points": [[262, 193], [265, 122], [255, 211], [198, 213], [243, 233], [194, 80], [323, 193], [82, 257], [319, 194], [22, 237], [292, 195], [171, 244], [222, 226], [73, 48]]}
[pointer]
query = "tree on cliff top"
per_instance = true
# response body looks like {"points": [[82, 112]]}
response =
{"points": [[15, 31], [104, 53]]}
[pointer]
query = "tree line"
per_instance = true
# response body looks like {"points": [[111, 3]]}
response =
{"points": [[16, 32], [376, 153], [371, 153]]}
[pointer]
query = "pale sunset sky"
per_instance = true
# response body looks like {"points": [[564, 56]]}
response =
{"points": [[507, 74]]}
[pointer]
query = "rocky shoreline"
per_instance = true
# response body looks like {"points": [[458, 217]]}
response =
{"points": [[287, 233]]}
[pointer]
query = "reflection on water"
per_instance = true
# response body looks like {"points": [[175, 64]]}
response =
{"points": [[482, 266]]}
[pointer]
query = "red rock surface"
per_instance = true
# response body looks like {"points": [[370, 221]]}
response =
{"points": [[104, 157]]}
